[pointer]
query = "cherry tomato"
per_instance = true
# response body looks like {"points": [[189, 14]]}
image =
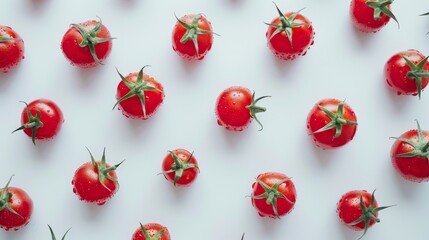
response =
{"points": [[87, 44], [409, 155], [53, 235], [151, 231], [289, 35], [371, 15], [11, 49], [358, 210], [192, 36], [331, 123], [407, 73], [236, 107], [16, 207], [273, 195], [95, 181], [41, 119], [139, 95], [180, 167]]}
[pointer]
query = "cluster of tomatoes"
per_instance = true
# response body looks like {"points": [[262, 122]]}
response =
{"points": [[331, 123]]}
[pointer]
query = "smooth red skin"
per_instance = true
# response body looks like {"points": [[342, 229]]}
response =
{"points": [[231, 111], [415, 169], [189, 175], [151, 229], [317, 119], [349, 209], [81, 56], [22, 204], [302, 38], [396, 69], [283, 206], [89, 189], [187, 50], [363, 17], [50, 115], [11, 52], [132, 107]]}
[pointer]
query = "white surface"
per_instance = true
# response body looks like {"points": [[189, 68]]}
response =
{"points": [[343, 64]]}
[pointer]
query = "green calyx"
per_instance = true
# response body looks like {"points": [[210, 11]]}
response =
{"points": [[5, 198], [33, 122], [192, 31], [381, 6], [421, 148], [425, 14], [417, 72], [271, 195], [242, 237], [137, 89], [337, 120], [7, 39], [103, 170], [90, 39], [157, 236], [368, 214], [287, 24], [53, 235], [178, 167], [254, 109]]}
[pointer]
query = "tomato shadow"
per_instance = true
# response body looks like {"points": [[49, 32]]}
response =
{"points": [[324, 156], [285, 67], [235, 3], [399, 102], [348, 233], [190, 66], [362, 38], [406, 188], [15, 235], [6, 79], [88, 78], [127, 3]]}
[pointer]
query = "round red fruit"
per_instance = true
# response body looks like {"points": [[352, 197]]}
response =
{"points": [[11, 49], [180, 167], [151, 231], [371, 15]]}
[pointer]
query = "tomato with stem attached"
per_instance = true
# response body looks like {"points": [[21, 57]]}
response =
{"points": [[371, 15], [180, 167], [151, 231], [11, 49]]}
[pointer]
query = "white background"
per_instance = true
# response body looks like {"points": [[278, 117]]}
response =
{"points": [[343, 64]]}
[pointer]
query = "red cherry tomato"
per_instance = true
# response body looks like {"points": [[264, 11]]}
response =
{"points": [[371, 15], [11, 49], [180, 167], [192, 36], [87, 44], [331, 123], [151, 231], [273, 195], [95, 181], [290, 35], [16, 207], [407, 73], [139, 95], [41, 119]]}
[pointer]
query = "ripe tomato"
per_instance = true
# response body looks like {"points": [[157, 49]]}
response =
{"points": [[371, 15], [41, 119], [358, 210], [236, 107], [95, 181], [407, 73], [331, 123], [16, 207], [151, 231], [139, 95], [409, 155], [192, 36], [273, 195], [180, 167], [53, 235], [87, 44], [289, 35], [11, 49]]}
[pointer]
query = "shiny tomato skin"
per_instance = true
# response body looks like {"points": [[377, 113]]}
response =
{"points": [[302, 38], [231, 108], [363, 17], [317, 119], [287, 189], [415, 169], [50, 115], [22, 204], [187, 50], [396, 69], [349, 209], [189, 174], [132, 107], [87, 186], [151, 229], [11, 52], [81, 56]]}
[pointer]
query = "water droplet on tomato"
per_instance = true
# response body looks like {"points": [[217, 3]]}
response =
{"points": [[101, 203]]}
